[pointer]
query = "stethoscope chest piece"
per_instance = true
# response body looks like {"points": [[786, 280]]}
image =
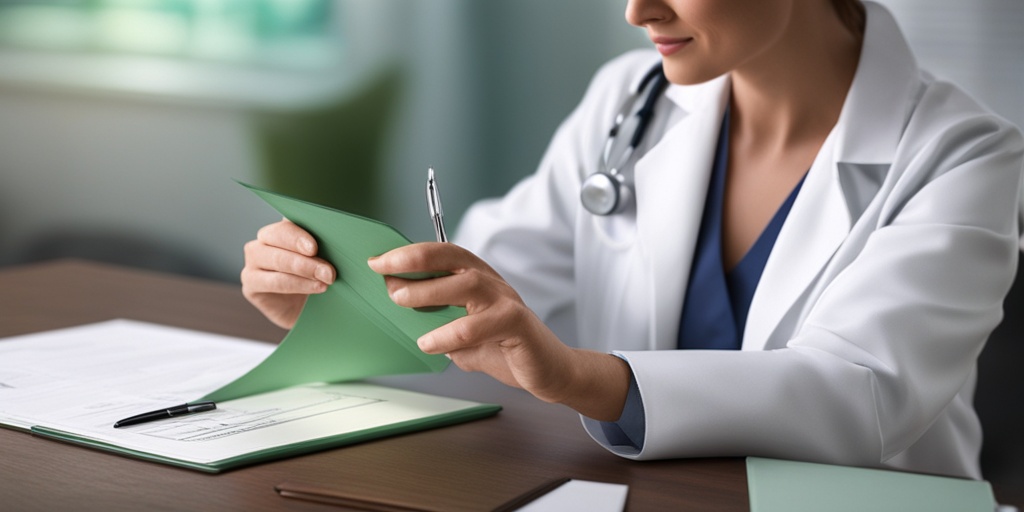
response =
{"points": [[609, 191], [605, 193]]}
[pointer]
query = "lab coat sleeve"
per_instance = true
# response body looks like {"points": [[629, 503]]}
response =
{"points": [[890, 342], [527, 236]]}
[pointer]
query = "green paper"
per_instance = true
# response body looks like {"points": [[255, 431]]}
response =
{"points": [[353, 330], [780, 485]]}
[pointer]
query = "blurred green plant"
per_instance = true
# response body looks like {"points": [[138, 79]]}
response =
{"points": [[330, 154]]}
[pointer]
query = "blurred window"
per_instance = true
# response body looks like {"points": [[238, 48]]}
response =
{"points": [[266, 33]]}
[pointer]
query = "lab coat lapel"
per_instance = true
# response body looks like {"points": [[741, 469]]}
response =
{"points": [[671, 186], [816, 226], [848, 172]]}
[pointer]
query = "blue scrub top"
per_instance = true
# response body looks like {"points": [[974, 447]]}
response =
{"points": [[717, 302]]}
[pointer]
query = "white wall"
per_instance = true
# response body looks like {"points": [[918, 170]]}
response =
{"points": [[979, 45]]}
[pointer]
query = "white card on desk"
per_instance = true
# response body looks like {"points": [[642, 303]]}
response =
{"points": [[581, 495]]}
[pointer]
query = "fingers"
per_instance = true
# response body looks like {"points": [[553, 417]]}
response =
{"points": [[266, 257], [286, 248], [255, 281], [286, 235], [473, 289], [504, 324], [466, 280], [430, 257]]}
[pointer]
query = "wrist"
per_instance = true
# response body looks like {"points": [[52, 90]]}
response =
{"points": [[597, 385]]}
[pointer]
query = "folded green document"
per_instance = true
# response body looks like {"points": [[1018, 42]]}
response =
{"points": [[353, 330]]}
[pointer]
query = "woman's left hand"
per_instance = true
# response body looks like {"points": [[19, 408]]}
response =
{"points": [[500, 335]]}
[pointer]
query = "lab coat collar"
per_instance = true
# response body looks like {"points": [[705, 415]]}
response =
{"points": [[878, 104], [692, 98]]}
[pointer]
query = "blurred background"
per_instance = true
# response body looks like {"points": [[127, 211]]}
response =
{"points": [[123, 123]]}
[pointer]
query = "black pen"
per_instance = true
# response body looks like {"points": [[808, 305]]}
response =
{"points": [[177, 410]]}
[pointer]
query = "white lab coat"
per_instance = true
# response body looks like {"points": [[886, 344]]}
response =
{"points": [[878, 296]]}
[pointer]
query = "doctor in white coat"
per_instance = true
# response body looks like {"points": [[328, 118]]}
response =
{"points": [[883, 283]]}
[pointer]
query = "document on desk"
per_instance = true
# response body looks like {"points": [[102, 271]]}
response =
{"points": [[73, 384]]}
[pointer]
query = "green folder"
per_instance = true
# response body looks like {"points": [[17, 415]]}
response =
{"points": [[782, 485], [353, 330], [298, 396]]}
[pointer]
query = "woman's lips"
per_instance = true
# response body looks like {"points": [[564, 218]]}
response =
{"points": [[667, 46]]}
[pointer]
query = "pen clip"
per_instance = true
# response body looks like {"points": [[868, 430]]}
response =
{"points": [[434, 206], [433, 195]]}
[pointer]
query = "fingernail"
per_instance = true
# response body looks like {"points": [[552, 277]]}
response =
{"points": [[425, 344], [323, 273], [306, 245]]}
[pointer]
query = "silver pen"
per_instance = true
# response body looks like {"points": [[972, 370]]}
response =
{"points": [[434, 205]]}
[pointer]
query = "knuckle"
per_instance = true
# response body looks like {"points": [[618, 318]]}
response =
{"points": [[410, 259], [290, 263], [250, 248], [464, 332], [476, 280], [280, 283], [265, 233]]}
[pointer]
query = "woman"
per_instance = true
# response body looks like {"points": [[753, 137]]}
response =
{"points": [[804, 194]]}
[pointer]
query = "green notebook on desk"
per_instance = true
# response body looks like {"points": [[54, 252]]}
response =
{"points": [[790, 486], [302, 396]]}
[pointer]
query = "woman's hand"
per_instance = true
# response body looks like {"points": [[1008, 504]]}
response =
{"points": [[281, 270], [500, 336]]}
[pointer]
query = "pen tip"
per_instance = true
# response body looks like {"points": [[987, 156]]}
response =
{"points": [[430, 173]]}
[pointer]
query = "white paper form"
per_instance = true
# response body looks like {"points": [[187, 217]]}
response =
{"points": [[266, 421], [74, 384], [116, 369]]}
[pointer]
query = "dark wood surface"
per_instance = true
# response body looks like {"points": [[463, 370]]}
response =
{"points": [[472, 466]]}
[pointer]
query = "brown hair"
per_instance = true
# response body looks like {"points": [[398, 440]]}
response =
{"points": [[851, 13]]}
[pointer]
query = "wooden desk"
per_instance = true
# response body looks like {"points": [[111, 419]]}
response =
{"points": [[473, 466]]}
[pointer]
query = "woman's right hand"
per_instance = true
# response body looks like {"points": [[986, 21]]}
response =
{"points": [[281, 270]]}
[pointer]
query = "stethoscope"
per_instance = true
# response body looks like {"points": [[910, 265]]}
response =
{"points": [[609, 190]]}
